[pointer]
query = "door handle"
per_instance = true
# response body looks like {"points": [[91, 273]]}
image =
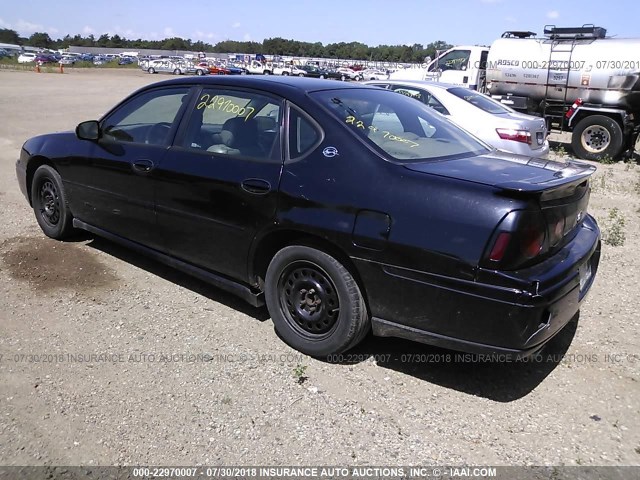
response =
{"points": [[256, 186], [142, 166]]}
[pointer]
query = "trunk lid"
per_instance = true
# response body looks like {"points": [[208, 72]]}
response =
{"points": [[510, 173]]}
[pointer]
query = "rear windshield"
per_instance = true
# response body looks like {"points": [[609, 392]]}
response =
{"points": [[479, 100], [397, 125]]}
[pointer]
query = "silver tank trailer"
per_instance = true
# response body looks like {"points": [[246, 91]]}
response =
{"points": [[602, 71]]}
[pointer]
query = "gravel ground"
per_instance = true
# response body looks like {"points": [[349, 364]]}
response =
{"points": [[108, 358]]}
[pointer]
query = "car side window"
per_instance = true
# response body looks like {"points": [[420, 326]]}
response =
{"points": [[147, 118], [436, 105], [422, 95], [235, 123], [303, 134]]}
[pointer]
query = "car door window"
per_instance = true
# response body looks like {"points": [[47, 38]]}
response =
{"points": [[147, 118], [304, 136], [235, 123]]}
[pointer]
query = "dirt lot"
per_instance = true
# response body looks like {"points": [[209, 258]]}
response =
{"points": [[108, 358]]}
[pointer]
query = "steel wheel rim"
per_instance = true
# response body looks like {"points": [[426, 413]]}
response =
{"points": [[595, 139], [49, 203], [308, 300]]}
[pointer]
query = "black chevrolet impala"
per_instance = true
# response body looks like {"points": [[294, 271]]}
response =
{"points": [[342, 207]]}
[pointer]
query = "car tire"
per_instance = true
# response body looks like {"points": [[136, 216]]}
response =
{"points": [[343, 78], [151, 70], [285, 73], [596, 137], [199, 72], [301, 74], [177, 71], [315, 302], [49, 203], [266, 72], [321, 76]]}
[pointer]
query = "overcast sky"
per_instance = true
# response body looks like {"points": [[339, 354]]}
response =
{"points": [[372, 22]]}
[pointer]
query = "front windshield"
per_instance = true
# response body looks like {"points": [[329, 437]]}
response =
{"points": [[479, 100], [402, 128]]}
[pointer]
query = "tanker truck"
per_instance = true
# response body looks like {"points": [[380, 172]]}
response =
{"points": [[578, 79]]}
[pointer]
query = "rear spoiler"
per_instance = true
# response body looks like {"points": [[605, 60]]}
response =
{"points": [[568, 176]]}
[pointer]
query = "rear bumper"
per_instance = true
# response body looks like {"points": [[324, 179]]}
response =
{"points": [[480, 317]]}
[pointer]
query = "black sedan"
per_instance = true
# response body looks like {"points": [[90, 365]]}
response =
{"points": [[343, 207], [313, 71]]}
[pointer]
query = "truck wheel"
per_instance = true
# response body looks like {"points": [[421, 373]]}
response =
{"points": [[314, 301], [596, 137]]}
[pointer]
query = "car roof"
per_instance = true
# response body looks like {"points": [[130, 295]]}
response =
{"points": [[418, 83], [280, 85]]}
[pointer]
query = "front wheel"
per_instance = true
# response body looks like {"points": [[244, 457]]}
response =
{"points": [[199, 72], [151, 70], [177, 71], [314, 301], [596, 137], [50, 203]]}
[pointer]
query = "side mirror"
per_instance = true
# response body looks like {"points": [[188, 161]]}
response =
{"points": [[89, 130]]}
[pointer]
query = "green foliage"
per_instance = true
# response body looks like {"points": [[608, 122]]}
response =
{"points": [[9, 36], [606, 160], [298, 373], [614, 233], [560, 151], [40, 39]]}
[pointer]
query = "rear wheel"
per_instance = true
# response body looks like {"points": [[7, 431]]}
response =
{"points": [[151, 70], [314, 301], [596, 137], [50, 203]]}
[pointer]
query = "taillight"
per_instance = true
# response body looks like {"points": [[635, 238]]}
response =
{"points": [[556, 231], [500, 247], [573, 108], [522, 136], [520, 237], [531, 241]]}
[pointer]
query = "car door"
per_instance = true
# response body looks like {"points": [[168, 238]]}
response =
{"points": [[218, 185], [117, 178]]}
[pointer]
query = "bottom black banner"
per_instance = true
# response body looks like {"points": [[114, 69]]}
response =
{"points": [[364, 472]]}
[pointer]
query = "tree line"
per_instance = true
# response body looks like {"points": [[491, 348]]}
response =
{"points": [[270, 46]]}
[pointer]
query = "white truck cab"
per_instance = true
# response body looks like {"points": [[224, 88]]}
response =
{"points": [[464, 66]]}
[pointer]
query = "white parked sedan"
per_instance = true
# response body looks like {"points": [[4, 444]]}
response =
{"points": [[489, 120], [374, 74], [26, 57]]}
